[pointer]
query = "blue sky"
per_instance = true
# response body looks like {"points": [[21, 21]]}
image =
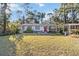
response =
{"points": [[45, 7], [41, 7]]}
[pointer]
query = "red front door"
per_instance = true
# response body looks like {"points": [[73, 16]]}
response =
{"points": [[45, 28]]}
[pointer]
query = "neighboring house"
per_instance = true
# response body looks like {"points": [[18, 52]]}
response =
{"points": [[70, 28]]}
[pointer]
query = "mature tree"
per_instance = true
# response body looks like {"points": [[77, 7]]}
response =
{"points": [[69, 8], [40, 16], [5, 15], [19, 12]]}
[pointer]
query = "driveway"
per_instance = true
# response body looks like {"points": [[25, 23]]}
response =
{"points": [[6, 47]]}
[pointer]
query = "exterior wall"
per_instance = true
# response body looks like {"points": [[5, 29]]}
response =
{"points": [[41, 28], [35, 27], [32, 27], [24, 28], [48, 29], [71, 27]]}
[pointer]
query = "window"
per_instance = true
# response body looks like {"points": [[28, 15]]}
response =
{"points": [[77, 26], [72, 27], [37, 27]]}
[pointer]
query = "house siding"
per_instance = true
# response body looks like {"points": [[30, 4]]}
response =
{"points": [[35, 27]]}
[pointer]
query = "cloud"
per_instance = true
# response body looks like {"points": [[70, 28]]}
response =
{"points": [[14, 7], [41, 5]]}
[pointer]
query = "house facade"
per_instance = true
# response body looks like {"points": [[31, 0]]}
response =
{"points": [[70, 28], [35, 27]]}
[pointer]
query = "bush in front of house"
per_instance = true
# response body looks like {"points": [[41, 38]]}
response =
{"points": [[61, 30], [17, 31], [75, 31], [29, 30]]}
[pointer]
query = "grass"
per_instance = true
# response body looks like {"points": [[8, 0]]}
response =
{"points": [[47, 45], [40, 45]]}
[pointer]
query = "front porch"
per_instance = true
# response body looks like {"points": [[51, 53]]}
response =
{"points": [[71, 28]]}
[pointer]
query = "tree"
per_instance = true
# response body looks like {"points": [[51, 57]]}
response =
{"points": [[5, 15], [23, 21], [30, 17], [19, 12], [40, 16], [64, 11], [67, 8]]}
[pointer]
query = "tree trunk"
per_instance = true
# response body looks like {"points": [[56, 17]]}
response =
{"points": [[4, 18], [4, 26]]}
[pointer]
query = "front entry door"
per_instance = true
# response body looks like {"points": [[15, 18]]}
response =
{"points": [[45, 28]]}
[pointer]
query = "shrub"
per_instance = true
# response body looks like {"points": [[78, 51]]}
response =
{"points": [[61, 31], [75, 31], [29, 30], [13, 28], [17, 30]]}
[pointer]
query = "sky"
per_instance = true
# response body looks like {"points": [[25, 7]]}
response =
{"points": [[40, 7]]}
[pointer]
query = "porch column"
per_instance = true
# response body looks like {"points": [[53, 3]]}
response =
{"points": [[69, 28]]}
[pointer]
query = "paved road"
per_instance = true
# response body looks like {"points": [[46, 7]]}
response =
{"points": [[6, 47]]}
